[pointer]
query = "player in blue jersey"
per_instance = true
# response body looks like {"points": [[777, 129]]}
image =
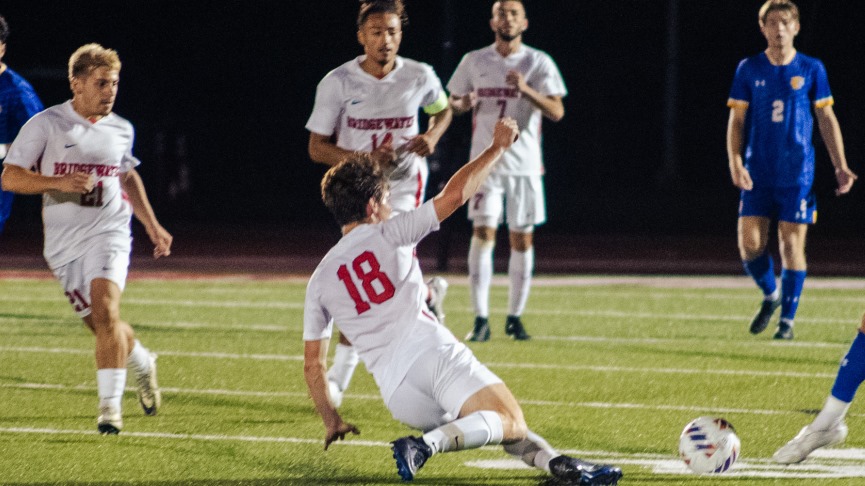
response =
{"points": [[18, 102], [772, 158]]}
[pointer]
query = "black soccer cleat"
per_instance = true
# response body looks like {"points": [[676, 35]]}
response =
{"points": [[571, 470], [411, 453], [481, 331], [785, 331], [514, 328], [761, 319]]}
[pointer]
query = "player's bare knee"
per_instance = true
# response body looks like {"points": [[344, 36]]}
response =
{"points": [[514, 428], [484, 233], [862, 325]]}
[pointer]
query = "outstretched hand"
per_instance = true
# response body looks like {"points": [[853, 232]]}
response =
{"points": [[338, 432]]}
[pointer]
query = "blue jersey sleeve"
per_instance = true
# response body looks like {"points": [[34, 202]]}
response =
{"points": [[820, 92], [740, 92]]}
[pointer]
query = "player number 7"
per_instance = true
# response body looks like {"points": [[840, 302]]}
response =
{"points": [[368, 271]]}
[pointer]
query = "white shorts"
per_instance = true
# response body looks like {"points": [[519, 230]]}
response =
{"points": [[407, 193], [523, 196], [437, 385], [110, 262]]}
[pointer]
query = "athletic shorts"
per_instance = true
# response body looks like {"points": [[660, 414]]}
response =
{"points": [[110, 262], [789, 204], [407, 192], [437, 385], [520, 197]]}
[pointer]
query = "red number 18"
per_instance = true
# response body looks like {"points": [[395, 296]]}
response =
{"points": [[368, 270]]}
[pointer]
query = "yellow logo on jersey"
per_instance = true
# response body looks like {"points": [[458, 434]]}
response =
{"points": [[797, 82]]}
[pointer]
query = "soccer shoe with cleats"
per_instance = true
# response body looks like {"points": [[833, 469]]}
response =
{"points": [[785, 331], [147, 387], [807, 441], [571, 470], [481, 331], [438, 288], [110, 422], [411, 453], [764, 313], [514, 328]]}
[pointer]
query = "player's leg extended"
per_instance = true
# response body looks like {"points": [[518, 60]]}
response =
{"points": [[112, 349], [791, 237], [753, 234], [828, 428], [520, 268]]}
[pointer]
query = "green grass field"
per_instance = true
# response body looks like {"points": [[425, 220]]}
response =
{"points": [[615, 369]]}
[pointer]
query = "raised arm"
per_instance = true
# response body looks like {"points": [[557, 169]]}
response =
{"points": [[142, 210], [466, 181], [830, 130]]}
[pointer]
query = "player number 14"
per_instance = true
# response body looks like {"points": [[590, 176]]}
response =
{"points": [[375, 283]]}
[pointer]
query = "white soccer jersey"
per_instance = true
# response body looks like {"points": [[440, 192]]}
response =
{"points": [[483, 72], [364, 112], [58, 141], [370, 283]]}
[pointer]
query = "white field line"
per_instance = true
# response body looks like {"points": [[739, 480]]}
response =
{"points": [[534, 366], [528, 312], [540, 403], [541, 280], [824, 466]]}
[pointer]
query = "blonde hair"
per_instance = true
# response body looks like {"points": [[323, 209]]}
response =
{"points": [[779, 5], [92, 56]]}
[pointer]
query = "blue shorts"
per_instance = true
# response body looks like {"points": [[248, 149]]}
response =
{"points": [[790, 204]]}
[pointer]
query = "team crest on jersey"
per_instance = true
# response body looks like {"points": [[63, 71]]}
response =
{"points": [[797, 82]]}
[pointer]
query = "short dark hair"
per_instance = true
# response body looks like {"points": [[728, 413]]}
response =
{"points": [[369, 7], [4, 30], [347, 187]]}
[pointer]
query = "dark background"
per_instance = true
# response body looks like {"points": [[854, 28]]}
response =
{"points": [[224, 89]]}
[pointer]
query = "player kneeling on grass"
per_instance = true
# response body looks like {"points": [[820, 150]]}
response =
{"points": [[371, 284]]}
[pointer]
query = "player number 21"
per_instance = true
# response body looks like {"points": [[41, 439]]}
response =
{"points": [[375, 283]]}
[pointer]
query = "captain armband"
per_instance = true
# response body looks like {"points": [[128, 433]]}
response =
{"points": [[438, 105]]}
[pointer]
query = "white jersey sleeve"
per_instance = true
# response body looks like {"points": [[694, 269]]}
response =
{"points": [[327, 109], [29, 145], [460, 83]]}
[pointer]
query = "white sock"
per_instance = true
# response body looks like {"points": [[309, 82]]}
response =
{"points": [[534, 451], [520, 267], [345, 360], [480, 274], [774, 295], [139, 359], [833, 411], [110, 383], [470, 432]]}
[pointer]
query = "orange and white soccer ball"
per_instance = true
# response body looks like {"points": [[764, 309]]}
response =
{"points": [[709, 445]]}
